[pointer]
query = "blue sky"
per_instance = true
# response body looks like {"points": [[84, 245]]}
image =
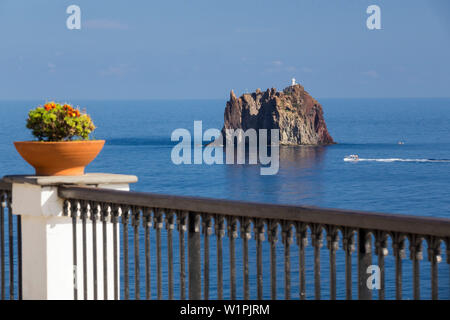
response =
{"points": [[204, 48]]}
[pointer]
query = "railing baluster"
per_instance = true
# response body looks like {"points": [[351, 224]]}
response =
{"points": [[333, 245], [19, 255], [170, 223], [84, 214], [245, 236], [73, 207], [302, 242], [182, 227], [381, 251], [273, 239], [147, 223], [194, 260], [2, 242], [104, 218], [219, 223], [434, 256], [158, 225], [287, 236], [259, 237], [135, 221], [415, 251], [207, 230], [232, 235], [316, 241], [348, 244], [114, 217], [19, 246], [11, 248], [126, 275], [447, 243], [94, 213], [364, 261], [398, 246]]}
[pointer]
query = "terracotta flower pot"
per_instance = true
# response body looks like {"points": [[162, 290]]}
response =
{"points": [[67, 158]]}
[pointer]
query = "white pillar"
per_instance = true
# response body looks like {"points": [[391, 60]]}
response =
{"points": [[48, 272]]}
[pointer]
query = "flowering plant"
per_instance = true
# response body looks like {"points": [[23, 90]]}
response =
{"points": [[59, 122]]}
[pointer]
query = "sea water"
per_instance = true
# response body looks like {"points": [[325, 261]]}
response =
{"points": [[397, 179]]}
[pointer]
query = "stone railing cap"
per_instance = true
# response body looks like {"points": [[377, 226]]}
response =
{"points": [[87, 179]]}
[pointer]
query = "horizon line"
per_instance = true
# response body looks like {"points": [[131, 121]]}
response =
{"points": [[180, 99]]}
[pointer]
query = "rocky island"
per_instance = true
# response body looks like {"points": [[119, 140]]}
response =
{"points": [[297, 115]]}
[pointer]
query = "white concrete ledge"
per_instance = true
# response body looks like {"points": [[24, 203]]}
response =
{"points": [[87, 179]]}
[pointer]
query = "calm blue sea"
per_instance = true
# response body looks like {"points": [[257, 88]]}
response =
{"points": [[138, 142]]}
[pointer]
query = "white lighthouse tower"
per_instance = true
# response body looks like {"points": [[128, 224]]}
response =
{"points": [[293, 82]]}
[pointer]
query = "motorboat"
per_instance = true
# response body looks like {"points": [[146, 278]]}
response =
{"points": [[352, 157]]}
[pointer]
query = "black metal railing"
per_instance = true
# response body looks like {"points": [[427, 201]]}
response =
{"points": [[134, 214], [10, 247]]}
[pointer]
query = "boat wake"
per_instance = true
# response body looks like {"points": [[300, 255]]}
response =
{"points": [[352, 159]]}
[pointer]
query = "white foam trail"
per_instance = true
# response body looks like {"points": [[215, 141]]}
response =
{"points": [[397, 160]]}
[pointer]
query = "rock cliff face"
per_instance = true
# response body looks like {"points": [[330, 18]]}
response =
{"points": [[297, 115]]}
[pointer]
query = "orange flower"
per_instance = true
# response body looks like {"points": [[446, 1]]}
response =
{"points": [[50, 106], [73, 113]]}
